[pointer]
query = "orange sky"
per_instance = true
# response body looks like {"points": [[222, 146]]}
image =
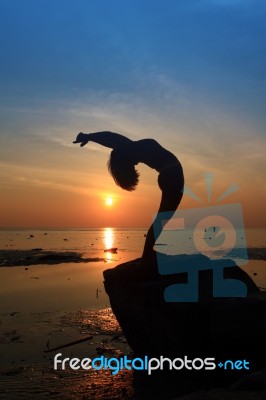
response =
{"points": [[68, 187]]}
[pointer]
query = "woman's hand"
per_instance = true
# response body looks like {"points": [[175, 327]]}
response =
{"points": [[82, 138]]}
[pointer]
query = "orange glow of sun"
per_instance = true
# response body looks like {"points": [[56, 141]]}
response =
{"points": [[109, 201]]}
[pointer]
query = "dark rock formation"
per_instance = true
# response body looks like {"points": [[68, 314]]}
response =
{"points": [[223, 328]]}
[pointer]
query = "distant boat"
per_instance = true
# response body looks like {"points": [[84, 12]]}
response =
{"points": [[111, 250]]}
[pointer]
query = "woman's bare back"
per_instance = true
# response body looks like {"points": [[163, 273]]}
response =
{"points": [[151, 153]]}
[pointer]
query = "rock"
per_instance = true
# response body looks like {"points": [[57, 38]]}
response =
{"points": [[111, 250], [224, 394], [227, 328], [255, 381]]}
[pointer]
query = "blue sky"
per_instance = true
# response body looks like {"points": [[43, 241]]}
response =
{"points": [[190, 73], [61, 49]]}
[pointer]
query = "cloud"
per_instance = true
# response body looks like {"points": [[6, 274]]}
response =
{"points": [[20, 176]]}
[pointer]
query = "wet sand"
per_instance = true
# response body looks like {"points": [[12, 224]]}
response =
{"points": [[26, 368], [43, 306]]}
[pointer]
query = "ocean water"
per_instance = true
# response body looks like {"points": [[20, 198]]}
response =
{"points": [[89, 242], [63, 286], [73, 286], [93, 242], [242, 246]]}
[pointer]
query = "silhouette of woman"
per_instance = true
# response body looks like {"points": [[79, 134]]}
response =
{"points": [[126, 154]]}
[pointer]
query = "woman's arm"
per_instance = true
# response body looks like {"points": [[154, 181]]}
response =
{"points": [[105, 138]]}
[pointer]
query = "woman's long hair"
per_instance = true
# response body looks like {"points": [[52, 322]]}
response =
{"points": [[123, 169]]}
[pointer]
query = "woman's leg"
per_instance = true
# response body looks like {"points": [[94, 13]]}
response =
{"points": [[171, 183], [169, 204]]}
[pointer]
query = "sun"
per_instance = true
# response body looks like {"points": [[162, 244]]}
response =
{"points": [[109, 201]]}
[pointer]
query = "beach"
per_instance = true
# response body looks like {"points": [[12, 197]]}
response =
{"points": [[52, 294], [27, 366], [57, 302]]}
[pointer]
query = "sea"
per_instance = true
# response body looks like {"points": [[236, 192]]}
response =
{"points": [[88, 241], [93, 242], [73, 285]]}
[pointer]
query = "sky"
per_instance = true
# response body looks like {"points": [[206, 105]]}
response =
{"points": [[189, 73]]}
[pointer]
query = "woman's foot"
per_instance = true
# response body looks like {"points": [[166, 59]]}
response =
{"points": [[149, 262]]}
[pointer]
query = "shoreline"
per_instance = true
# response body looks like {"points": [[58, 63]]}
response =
{"points": [[39, 256]]}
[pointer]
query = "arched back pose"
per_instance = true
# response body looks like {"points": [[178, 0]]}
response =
{"points": [[126, 154]]}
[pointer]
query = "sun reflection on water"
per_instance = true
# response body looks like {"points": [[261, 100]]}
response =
{"points": [[108, 240]]}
